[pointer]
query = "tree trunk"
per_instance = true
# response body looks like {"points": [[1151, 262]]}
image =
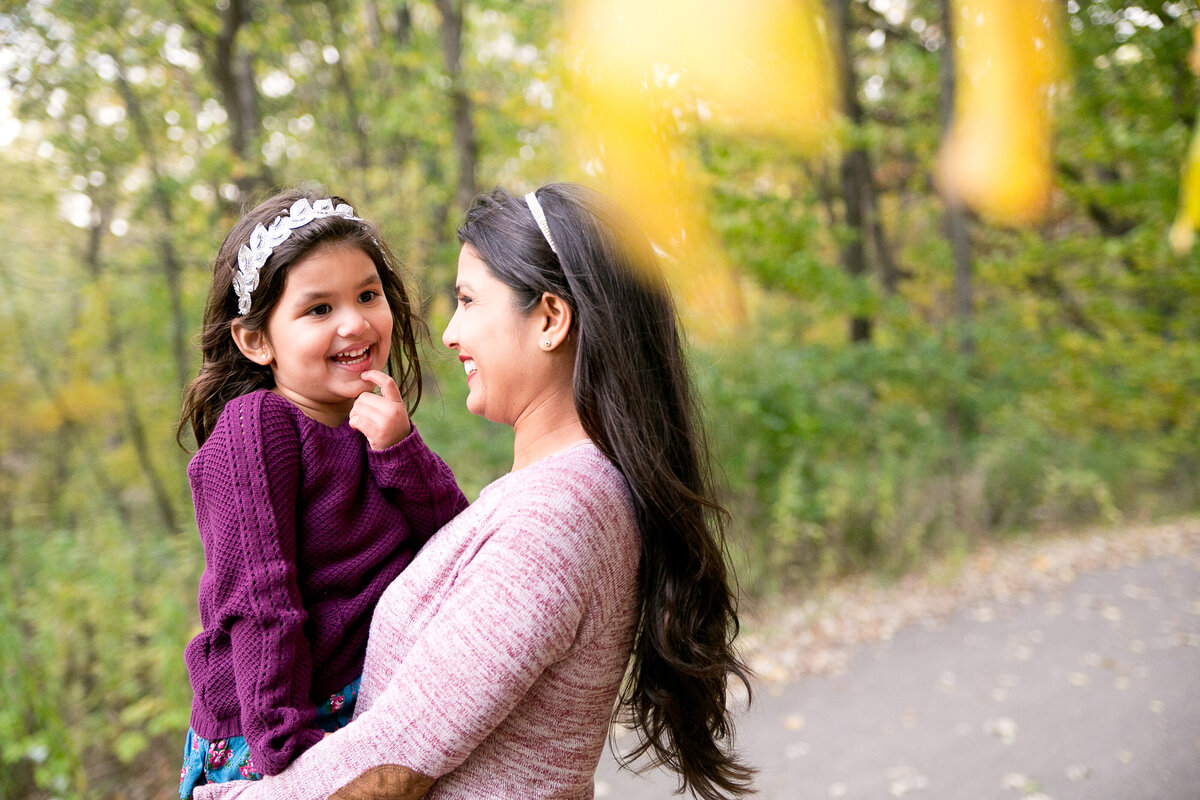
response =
{"points": [[171, 267], [404, 24], [889, 272], [466, 147], [956, 215], [855, 168], [135, 427], [961, 418], [234, 76], [355, 119]]}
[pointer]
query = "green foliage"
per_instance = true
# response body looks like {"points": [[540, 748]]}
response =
{"points": [[843, 459], [91, 621]]}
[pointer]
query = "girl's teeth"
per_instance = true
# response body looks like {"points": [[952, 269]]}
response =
{"points": [[351, 358]]}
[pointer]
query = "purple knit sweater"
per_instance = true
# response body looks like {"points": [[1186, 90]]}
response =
{"points": [[303, 527]]}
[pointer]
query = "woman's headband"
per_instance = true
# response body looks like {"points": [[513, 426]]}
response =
{"points": [[539, 217]]}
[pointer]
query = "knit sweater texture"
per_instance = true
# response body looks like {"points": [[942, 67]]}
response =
{"points": [[494, 660], [303, 528]]}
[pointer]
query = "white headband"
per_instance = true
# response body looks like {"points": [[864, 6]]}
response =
{"points": [[253, 255], [539, 217]]}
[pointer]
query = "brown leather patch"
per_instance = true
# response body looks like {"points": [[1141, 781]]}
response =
{"points": [[385, 782]]}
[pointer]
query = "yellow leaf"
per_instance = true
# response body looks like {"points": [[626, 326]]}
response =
{"points": [[1183, 230], [641, 65], [997, 154]]}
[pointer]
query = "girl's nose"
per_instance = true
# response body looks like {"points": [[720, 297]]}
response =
{"points": [[353, 324]]}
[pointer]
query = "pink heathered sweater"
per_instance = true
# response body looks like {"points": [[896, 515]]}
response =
{"points": [[495, 658], [304, 527]]}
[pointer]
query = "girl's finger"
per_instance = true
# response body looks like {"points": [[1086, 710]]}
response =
{"points": [[387, 386]]}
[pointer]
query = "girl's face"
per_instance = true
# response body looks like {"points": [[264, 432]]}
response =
{"points": [[332, 324], [496, 343]]}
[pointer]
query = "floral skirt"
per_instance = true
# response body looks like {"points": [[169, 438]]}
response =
{"points": [[229, 759]]}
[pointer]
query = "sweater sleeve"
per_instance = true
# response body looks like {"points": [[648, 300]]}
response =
{"points": [[416, 481], [514, 609], [249, 526]]}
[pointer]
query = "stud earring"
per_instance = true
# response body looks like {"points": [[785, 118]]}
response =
{"points": [[546, 344]]}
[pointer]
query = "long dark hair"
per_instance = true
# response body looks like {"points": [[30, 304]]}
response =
{"points": [[636, 402], [224, 372]]}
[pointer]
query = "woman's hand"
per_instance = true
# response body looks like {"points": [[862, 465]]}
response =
{"points": [[382, 417], [385, 782]]}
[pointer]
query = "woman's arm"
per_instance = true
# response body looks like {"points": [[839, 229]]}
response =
{"points": [[383, 782], [514, 609]]}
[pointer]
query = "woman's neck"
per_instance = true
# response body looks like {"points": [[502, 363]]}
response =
{"points": [[544, 432]]}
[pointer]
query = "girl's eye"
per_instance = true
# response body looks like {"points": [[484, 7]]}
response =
{"points": [[368, 296], [320, 310]]}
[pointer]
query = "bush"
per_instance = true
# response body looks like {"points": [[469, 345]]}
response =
{"points": [[93, 678], [840, 459]]}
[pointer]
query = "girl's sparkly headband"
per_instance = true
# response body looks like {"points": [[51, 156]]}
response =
{"points": [[539, 217], [253, 255]]}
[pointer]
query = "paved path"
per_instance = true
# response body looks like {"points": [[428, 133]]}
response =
{"points": [[1086, 691]]}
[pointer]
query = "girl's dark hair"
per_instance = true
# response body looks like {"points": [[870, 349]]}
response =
{"points": [[224, 372], [636, 402]]}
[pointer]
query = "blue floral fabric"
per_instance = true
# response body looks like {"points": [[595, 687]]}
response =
{"points": [[229, 759]]}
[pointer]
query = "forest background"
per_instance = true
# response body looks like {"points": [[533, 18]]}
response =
{"points": [[889, 377]]}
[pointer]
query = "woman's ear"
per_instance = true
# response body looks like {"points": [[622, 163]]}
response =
{"points": [[554, 321], [253, 344]]}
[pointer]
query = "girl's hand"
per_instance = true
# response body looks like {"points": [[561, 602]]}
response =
{"points": [[382, 418]]}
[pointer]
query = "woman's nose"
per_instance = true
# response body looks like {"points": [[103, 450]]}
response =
{"points": [[450, 335]]}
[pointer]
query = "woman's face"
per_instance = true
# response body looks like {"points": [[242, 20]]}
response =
{"points": [[496, 343]]}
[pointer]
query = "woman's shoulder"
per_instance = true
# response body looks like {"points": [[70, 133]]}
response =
{"points": [[578, 490], [581, 473], [568, 519]]}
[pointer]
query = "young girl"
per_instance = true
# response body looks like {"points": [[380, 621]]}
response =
{"points": [[312, 492]]}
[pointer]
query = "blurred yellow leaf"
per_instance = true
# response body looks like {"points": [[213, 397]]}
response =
{"points": [[997, 155], [763, 61], [642, 65], [1183, 230]]}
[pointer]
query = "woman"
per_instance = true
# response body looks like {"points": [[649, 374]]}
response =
{"points": [[494, 660]]}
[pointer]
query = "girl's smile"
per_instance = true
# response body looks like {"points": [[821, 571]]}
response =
{"points": [[354, 358]]}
